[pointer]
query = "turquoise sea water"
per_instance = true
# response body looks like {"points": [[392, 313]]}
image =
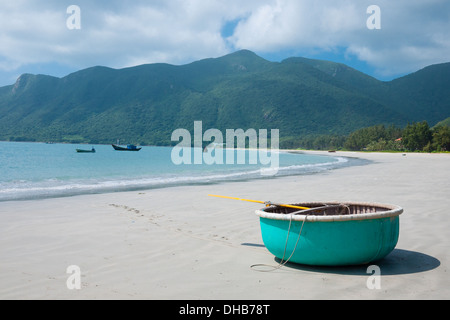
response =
{"points": [[39, 170]]}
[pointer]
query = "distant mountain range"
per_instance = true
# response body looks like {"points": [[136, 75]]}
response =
{"points": [[145, 104]]}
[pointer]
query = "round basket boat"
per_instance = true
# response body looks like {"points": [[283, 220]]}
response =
{"points": [[331, 233]]}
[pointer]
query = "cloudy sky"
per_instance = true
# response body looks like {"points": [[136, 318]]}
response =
{"points": [[39, 36]]}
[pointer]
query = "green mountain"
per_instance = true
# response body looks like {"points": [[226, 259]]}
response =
{"points": [[443, 123], [145, 104]]}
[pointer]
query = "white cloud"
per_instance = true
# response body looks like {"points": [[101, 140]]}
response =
{"points": [[116, 34], [125, 33], [298, 24], [414, 35]]}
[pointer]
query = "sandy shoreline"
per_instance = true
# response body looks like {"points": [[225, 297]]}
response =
{"points": [[177, 243]]}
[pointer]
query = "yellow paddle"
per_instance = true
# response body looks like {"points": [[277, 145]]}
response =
{"points": [[267, 203]]}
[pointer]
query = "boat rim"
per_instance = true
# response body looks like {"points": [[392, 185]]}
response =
{"points": [[391, 211]]}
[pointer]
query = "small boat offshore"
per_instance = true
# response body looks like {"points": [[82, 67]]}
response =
{"points": [[86, 151], [129, 147], [331, 233]]}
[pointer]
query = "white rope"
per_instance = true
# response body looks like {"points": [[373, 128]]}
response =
{"points": [[283, 263], [310, 211]]}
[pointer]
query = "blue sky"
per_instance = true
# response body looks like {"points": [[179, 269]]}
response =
{"points": [[35, 37]]}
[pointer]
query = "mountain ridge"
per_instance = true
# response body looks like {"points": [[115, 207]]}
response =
{"points": [[145, 104]]}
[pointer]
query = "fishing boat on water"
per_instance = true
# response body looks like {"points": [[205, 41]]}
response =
{"points": [[331, 233], [86, 151], [130, 147]]}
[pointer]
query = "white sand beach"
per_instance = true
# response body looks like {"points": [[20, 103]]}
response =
{"points": [[178, 243]]}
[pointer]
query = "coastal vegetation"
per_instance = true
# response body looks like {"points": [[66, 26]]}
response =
{"points": [[315, 104], [415, 137]]}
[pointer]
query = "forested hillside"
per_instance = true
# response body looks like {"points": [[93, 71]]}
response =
{"points": [[145, 104]]}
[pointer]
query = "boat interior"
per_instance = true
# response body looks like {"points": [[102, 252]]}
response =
{"points": [[324, 209]]}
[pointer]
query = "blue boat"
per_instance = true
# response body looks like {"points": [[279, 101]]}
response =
{"points": [[331, 234], [129, 147]]}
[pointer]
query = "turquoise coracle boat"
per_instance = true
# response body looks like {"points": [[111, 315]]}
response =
{"points": [[331, 234]]}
